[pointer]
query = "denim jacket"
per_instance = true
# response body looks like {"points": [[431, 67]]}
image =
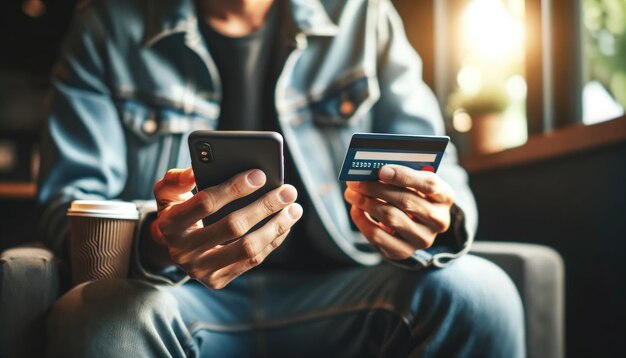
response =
{"points": [[135, 78]]}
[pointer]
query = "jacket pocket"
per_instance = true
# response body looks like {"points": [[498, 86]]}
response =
{"points": [[346, 102], [149, 122], [156, 141]]}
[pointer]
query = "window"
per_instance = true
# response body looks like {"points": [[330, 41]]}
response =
{"points": [[487, 104], [604, 56], [510, 69]]}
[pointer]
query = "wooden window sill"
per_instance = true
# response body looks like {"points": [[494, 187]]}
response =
{"points": [[563, 141], [25, 190]]}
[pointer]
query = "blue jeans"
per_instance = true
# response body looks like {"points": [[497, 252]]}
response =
{"points": [[469, 309]]}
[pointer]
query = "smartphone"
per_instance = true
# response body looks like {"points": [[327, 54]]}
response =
{"points": [[217, 156]]}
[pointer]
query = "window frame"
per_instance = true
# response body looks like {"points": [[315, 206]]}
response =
{"points": [[553, 64]]}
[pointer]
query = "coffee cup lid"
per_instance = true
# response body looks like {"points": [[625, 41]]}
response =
{"points": [[110, 209]]}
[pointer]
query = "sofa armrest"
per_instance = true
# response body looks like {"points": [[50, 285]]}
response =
{"points": [[29, 284], [538, 273]]}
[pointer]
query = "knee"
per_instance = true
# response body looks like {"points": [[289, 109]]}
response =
{"points": [[112, 301], [106, 313], [476, 304]]}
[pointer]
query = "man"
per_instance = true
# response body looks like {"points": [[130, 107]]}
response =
{"points": [[135, 77]]}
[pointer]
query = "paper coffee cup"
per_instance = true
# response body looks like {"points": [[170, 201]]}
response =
{"points": [[101, 238]]}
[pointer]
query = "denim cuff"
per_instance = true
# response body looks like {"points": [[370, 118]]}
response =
{"points": [[170, 275], [452, 244]]}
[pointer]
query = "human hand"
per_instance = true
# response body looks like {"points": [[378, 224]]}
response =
{"points": [[199, 250], [403, 211]]}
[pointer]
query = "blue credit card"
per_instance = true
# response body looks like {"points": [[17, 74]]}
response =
{"points": [[368, 152]]}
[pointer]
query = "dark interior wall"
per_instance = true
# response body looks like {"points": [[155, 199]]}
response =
{"points": [[30, 36], [28, 49], [17, 222], [577, 205], [31, 43]]}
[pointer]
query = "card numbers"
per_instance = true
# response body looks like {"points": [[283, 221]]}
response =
{"points": [[368, 165]]}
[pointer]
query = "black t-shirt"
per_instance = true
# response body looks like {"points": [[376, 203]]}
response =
{"points": [[249, 67], [243, 64]]}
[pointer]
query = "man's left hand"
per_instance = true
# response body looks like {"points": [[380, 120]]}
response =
{"points": [[403, 211]]}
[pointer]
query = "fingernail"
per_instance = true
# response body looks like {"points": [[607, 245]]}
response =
{"points": [[386, 173], [294, 211], [256, 178], [288, 194]]}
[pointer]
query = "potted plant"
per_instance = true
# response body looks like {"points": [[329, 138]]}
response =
{"points": [[485, 110]]}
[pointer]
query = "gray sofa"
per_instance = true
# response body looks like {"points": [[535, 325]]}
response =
{"points": [[30, 281]]}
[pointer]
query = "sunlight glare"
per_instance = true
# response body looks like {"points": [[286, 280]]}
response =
{"points": [[461, 121], [491, 31], [470, 80], [516, 88]]}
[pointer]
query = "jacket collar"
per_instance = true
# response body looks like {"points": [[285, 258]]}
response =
{"points": [[166, 18]]}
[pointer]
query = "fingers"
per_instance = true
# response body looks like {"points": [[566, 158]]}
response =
{"points": [[417, 235], [222, 277], [247, 249], [435, 216], [220, 266], [238, 223], [428, 183], [210, 200], [240, 267], [392, 247]]}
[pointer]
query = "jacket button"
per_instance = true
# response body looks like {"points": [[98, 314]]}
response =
{"points": [[346, 108], [149, 126]]}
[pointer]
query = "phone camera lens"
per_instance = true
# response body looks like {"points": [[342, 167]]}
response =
{"points": [[205, 153]]}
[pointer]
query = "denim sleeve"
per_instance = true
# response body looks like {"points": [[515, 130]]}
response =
{"points": [[407, 105], [83, 154]]}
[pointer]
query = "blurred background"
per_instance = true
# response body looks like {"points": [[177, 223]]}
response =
{"points": [[533, 93]]}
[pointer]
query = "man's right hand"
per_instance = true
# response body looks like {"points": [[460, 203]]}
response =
{"points": [[198, 250]]}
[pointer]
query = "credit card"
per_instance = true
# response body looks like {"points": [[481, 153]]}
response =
{"points": [[368, 152]]}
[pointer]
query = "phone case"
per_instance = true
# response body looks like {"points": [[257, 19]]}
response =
{"points": [[216, 156]]}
